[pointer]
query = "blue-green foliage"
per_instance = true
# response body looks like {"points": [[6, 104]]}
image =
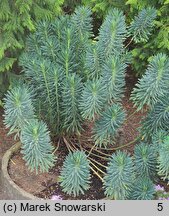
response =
{"points": [[71, 73], [119, 177], [159, 138], [153, 84], [160, 141], [106, 127], [45, 78], [51, 62], [142, 24], [132, 177], [82, 21], [66, 56], [18, 108], [163, 159], [36, 146], [145, 160], [143, 189], [157, 119], [93, 99], [71, 92], [34, 135], [74, 77], [93, 61], [82, 24], [75, 174], [112, 33], [114, 77]]}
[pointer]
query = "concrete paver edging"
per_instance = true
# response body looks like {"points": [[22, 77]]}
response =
{"points": [[12, 190]]}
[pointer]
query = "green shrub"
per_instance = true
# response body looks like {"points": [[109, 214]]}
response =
{"points": [[102, 7], [159, 39], [17, 19]]}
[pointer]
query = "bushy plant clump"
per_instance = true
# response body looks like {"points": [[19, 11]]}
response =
{"points": [[71, 91], [34, 135], [70, 78], [144, 49]]}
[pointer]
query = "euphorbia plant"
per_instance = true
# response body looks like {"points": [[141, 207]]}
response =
{"points": [[70, 78]]}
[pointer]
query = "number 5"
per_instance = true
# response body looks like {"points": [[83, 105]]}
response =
{"points": [[160, 207]]}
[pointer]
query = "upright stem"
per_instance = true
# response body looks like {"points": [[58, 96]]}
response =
{"points": [[56, 147], [129, 43], [120, 147], [91, 149], [97, 174], [97, 162], [96, 155], [69, 147], [97, 168]]}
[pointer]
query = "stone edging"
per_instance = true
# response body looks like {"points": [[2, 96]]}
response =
{"points": [[12, 190]]}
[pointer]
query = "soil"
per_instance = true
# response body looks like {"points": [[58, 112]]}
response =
{"points": [[45, 185]]}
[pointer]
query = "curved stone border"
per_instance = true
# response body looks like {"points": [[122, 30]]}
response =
{"points": [[12, 190]]}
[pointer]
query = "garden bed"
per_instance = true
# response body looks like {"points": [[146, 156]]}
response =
{"points": [[31, 186], [45, 185], [75, 121]]}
